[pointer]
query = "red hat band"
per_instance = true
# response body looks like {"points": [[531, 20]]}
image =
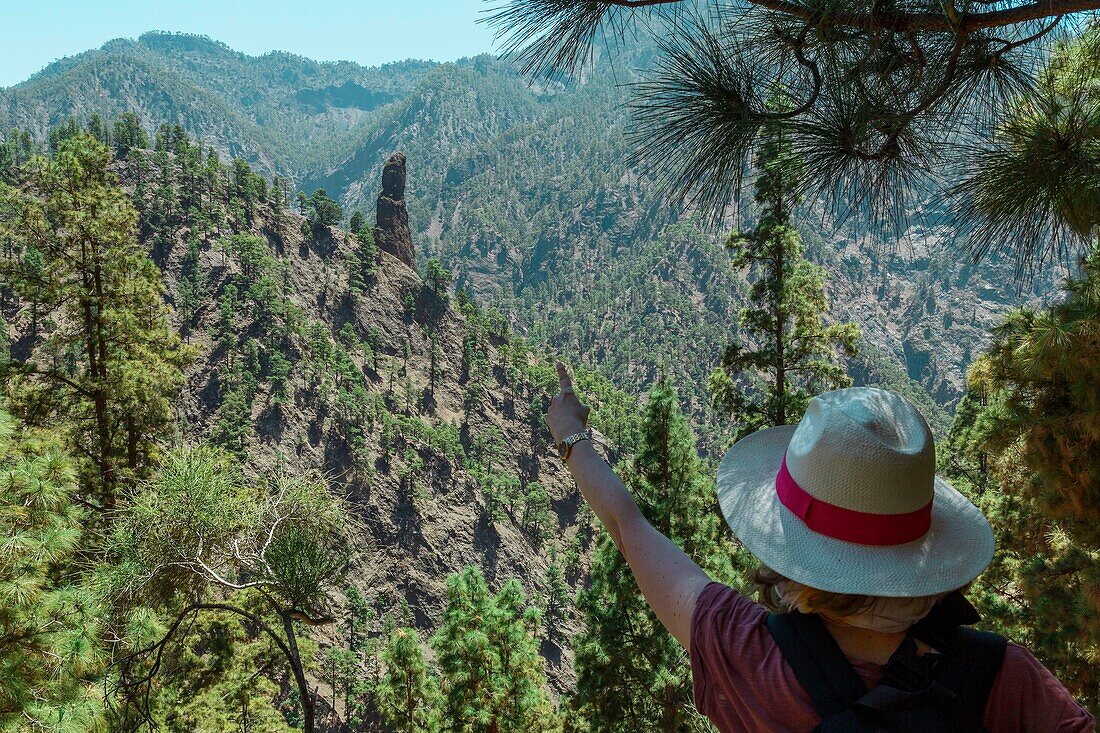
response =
{"points": [[849, 525]]}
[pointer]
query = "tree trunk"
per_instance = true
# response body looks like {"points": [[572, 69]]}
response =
{"points": [[670, 713], [780, 344], [304, 693], [92, 314], [131, 443], [780, 315]]}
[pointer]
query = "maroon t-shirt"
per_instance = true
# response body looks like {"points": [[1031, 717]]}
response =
{"points": [[742, 683]]}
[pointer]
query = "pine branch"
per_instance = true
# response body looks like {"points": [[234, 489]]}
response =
{"points": [[541, 18], [882, 95]]}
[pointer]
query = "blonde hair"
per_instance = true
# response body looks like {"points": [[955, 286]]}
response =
{"points": [[809, 600], [835, 606]]}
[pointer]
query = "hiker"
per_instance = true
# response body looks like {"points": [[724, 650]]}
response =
{"points": [[866, 550]]}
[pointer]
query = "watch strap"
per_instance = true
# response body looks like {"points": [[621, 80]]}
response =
{"points": [[565, 447]]}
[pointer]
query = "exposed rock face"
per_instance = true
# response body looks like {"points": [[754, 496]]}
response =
{"points": [[391, 232]]}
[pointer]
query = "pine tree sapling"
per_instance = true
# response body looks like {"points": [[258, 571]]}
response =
{"points": [[408, 693]]}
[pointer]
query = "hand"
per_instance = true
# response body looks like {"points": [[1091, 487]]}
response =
{"points": [[566, 415]]}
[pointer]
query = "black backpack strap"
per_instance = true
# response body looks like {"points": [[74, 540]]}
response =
{"points": [[938, 691], [817, 662], [970, 667], [908, 683], [917, 692]]}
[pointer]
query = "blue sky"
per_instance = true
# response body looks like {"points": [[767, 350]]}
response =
{"points": [[371, 32]]}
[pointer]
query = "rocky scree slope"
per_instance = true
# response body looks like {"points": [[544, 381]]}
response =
{"points": [[427, 414]]}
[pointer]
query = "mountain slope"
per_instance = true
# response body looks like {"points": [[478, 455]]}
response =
{"points": [[281, 112], [548, 219], [424, 410], [524, 191]]}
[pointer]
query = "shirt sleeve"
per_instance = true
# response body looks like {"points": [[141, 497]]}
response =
{"points": [[721, 618], [1027, 698]]}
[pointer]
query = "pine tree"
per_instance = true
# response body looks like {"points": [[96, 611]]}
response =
{"points": [[111, 365], [492, 678], [558, 601], [631, 674], [65, 131], [50, 655], [364, 647], [437, 278], [15, 150], [471, 691], [538, 515], [363, 260], [199, 538], [97, 128], [1025, 439], [785, 353], [526, 701], [340, 670], [192, 288], [357, 223], [408, 693], [322, 212]]}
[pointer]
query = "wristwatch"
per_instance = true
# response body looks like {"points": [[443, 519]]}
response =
{"points": [[566, 445]]}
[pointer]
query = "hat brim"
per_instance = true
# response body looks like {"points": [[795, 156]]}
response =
{"points": [[957, 547]]}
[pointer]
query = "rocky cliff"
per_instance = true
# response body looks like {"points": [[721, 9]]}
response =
{"points": [[391, 233]]}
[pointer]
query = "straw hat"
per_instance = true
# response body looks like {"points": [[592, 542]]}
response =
{"points": [[848, 500]]}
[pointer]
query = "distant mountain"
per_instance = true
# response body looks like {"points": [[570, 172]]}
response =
{"points": [[281, 112], [522, 188]]}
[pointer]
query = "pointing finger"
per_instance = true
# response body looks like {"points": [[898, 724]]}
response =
{"points": [[563, 379]]}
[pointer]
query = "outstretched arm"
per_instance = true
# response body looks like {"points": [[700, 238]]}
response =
{"points": [[669, 580]]}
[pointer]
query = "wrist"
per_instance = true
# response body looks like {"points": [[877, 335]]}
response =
{"points": [[566, 444], [579, 447], [565, 431]]}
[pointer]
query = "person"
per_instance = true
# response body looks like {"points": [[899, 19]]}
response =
{"points": [[863, 545]]}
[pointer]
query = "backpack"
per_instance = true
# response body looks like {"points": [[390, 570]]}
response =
{"points": [[944, 691]]}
